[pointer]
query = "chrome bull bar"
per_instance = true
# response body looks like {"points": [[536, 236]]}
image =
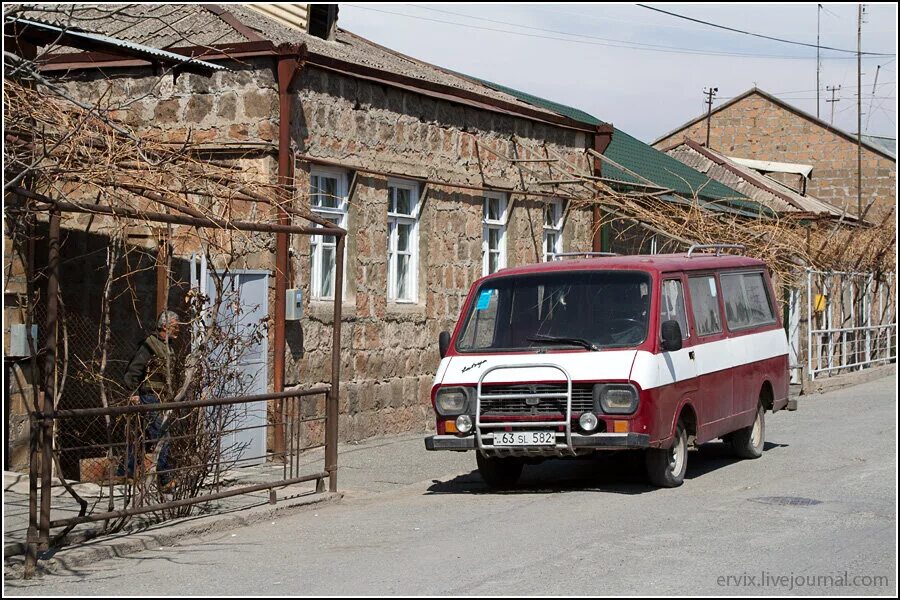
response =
{"points": [[558, 449]]}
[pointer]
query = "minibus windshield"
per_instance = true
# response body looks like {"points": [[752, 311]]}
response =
{"points": [[591, 310]]}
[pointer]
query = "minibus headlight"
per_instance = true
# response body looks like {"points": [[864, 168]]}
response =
{"points": [[617, 398], [451, 401]]}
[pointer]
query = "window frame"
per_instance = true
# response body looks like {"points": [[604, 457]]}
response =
{"points": [[718, 303], [393, 220], [744, 328], [555, 228], [688, 320], [317, 243], [499, 225]]}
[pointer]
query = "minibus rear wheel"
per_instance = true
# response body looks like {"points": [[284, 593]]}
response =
{"points": [[499, 473], [749, 441], [666, 466]]}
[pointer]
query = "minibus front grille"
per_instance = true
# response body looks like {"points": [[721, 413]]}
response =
{"points": [[532, 403]]}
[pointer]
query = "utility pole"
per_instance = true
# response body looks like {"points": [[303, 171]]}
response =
{"points": [[832, 89], [710, 94], [859, 20], [818, 59]]}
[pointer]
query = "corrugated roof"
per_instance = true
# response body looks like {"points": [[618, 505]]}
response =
{"points": [[86, 39], [561, 109], [665, 171], [755, 185], [888, 145], [185, 25]]}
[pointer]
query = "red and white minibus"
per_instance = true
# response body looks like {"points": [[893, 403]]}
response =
{"points": [[656, 352]]}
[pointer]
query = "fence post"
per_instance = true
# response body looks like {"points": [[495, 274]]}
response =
{"points": [[332, 400], [50, 379], [810, 325]]}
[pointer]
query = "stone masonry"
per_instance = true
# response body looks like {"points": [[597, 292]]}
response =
{"points": [[756, 127]]}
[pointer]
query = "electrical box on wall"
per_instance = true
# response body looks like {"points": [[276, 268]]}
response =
{"points": [[293, 304], [18, 340]]}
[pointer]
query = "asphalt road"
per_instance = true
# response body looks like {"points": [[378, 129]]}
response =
{"points": [[816, 511]]}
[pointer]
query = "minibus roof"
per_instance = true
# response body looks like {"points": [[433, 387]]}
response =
{"points": [[653, 263]]}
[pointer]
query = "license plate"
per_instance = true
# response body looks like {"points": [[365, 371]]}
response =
{"points": [[524, 438]]}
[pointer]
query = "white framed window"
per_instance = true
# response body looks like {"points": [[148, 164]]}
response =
{"points": [[327, 199], [493, 245], [403, 240], [553, 217]]}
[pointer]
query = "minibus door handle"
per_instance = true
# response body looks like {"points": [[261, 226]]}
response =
{"points": [[691, 355]]}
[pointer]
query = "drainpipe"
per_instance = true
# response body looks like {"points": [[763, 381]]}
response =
{"points": [[290, 61], [600, 236]]}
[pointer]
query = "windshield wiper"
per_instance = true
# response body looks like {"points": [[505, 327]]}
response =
{"points": [[568, 341]]}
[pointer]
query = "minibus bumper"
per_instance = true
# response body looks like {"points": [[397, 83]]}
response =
{"points": [[597, 441]]}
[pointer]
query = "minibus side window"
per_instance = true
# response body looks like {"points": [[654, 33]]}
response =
{"points": [[705, 304], [747, 302], [671, 305]]}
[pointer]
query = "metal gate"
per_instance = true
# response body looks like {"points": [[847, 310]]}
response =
{"points": [[852, 324]]}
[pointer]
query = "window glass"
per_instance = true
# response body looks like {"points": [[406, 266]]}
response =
{"points": [[558, 310], [705, 304], [327, 192], [671, 305], [493, 252], [402, 241], [747, 302], [553, 211]]}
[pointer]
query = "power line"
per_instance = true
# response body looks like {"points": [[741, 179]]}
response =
{"points": [[759, 35], [610, 44]]}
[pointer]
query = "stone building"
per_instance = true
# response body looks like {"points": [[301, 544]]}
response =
{"points": [[402, 154], [758, 125], [437, 177]]}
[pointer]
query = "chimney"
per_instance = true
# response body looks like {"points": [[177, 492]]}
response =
{"points": [[323, 20]]}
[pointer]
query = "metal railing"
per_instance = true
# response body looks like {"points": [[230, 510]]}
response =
{"points": [[852, 321], [131, 487], [560, 449]]}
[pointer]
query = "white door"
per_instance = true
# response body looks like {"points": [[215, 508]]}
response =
{"points": [[242, 315]]}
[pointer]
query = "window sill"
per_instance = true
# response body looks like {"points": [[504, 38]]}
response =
{"points": [[405, 309], [323, 310]]}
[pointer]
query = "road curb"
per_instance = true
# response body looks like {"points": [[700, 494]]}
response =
{"points": [[167, 534], [838, 382]]}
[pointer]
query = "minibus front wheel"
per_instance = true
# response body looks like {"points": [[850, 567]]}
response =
{"points": [[499, 473], [666, 466]]}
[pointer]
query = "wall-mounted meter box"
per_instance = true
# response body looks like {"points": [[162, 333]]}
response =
{"points": [[18, 340], [293, 304]]}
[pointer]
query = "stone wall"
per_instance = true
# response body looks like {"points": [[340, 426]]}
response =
{"points": [[758, 128], [391, 349]]}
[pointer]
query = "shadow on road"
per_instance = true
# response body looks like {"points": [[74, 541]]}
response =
{"points": [[611, 473]]}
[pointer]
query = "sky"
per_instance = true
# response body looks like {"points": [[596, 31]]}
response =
{"points": [[646, 72]]}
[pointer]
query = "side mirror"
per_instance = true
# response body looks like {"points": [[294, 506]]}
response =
{"points": [[444, 342], [671, 336]]}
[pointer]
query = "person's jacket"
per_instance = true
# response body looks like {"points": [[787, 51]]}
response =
{"points": [[147, 370]]}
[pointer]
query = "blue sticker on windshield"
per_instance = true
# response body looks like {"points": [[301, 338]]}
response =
{"points": [[484, 298]]}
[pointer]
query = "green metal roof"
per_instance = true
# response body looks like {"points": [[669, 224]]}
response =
{"points": [[560, 109], [648, 162], [668, 172]]}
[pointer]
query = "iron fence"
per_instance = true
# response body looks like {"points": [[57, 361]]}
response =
{"points": [[852, 321]]}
